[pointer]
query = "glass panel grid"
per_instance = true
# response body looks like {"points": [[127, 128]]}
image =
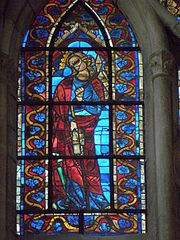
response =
{"points": [[79, 26], [47, 223], [127, 73], [81, 184], [64, 70], [32, 185], [44, 25], [128, 130], [82, 168], [113, 224], [129, 184], [86, 134], [32, 130], [36, 75]]}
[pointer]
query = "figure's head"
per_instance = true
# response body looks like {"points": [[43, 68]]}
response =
{"points": [[82, 65], [79, 62]]}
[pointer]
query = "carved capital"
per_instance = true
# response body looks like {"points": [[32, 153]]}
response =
{"points": [[162, 63]]}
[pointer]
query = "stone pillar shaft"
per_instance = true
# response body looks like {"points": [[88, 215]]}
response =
{"points": [[162, 65], [3, 145], [8, 77]]}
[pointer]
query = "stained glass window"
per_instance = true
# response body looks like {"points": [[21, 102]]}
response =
{"points": [[81, 164]]}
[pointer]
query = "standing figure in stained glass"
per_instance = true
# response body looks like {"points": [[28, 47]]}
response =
{"points": [[77, 181]]}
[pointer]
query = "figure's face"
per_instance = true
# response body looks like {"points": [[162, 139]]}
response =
{"points": [[81, 65], [78, 62]]}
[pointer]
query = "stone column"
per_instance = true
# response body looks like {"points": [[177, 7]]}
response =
{"points": [[7, 166], [163, 72], [3, 144], [166, 17]]}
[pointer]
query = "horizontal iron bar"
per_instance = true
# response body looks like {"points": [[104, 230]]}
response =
{"points": [[81, 211], [51, 157], [111, 102], [108, 48]]}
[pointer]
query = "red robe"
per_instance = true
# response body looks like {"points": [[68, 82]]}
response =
{"points": [[84, 172]]}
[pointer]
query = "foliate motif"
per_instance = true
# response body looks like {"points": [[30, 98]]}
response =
{"points": [[49, 223], [32, 176], [128, 130], [79, 26], [120, 32], [127, 76], [118, 29], [129, 184], [174, 7], [113, 223], [44, 23], [32, 130], [162, 63], [80, 123]]}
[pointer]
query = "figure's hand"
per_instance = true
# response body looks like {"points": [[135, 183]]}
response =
{"points": [[79, 93], [73, 125]]}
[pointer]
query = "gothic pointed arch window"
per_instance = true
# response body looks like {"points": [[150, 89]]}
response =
{"points": [[80, 123]]}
